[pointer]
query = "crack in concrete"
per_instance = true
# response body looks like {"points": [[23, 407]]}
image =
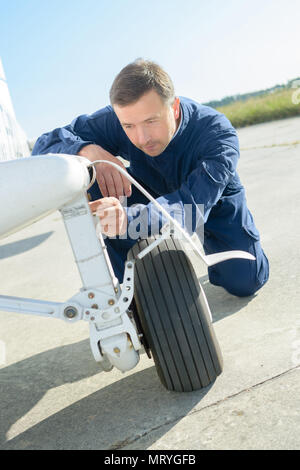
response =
{"points": [[121, 444]]}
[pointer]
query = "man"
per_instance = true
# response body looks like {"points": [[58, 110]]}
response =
{"points": [[185, 154]]}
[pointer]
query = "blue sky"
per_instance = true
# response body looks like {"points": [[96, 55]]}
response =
{"points": [[61, 56]]}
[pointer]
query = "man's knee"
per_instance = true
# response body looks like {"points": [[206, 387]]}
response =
{"points": [[241, 278], [243, 288]]}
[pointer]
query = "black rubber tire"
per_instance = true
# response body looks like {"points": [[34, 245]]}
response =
{"points": [[177, 328]]}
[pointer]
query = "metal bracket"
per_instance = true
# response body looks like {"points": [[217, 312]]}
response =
{"points": [[91, 300]]}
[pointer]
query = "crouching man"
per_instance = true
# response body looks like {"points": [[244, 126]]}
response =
{"points": [[184, 153]]}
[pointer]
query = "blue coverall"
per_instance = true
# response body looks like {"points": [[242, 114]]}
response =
{"points": [[197, 167]]}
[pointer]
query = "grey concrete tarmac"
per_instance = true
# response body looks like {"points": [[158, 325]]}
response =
{"points": [[54, 396]]}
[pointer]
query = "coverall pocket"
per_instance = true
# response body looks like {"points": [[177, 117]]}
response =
{"points": [[252, 231], [249, 225]]}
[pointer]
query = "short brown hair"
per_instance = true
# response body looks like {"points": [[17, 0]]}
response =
{"points": [[136, 79]]}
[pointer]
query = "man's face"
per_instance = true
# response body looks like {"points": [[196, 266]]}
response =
{"points": [[149, 123]]}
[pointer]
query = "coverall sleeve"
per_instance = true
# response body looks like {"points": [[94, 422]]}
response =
{"points": [[99, 128], [193, 201]]}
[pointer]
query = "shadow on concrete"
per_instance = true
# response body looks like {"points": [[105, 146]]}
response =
{"points": [[221, 303], [110, 418], [114, 416], [15, 248]]}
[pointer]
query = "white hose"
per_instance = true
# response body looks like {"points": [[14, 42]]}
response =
{"points": [[209, 260]]}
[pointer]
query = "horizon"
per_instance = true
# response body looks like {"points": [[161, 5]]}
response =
{"points": [[253, 91]]}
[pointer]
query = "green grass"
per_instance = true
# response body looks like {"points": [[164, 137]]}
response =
{"points": [[278, 105]]}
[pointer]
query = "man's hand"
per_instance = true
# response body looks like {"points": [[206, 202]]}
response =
{"points": [[111, 182], [113, 218]]}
